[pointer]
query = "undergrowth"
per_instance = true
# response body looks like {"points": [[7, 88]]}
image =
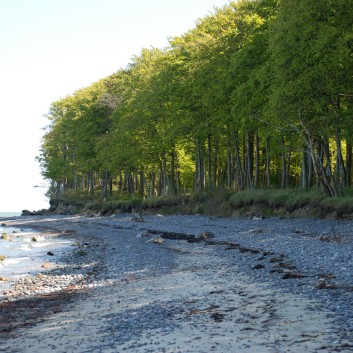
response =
{"points": [[283, 202]]}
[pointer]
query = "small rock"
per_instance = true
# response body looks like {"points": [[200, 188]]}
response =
{"points": [[50, 253], [258, 267], [158, 240], [68, 231], [276, 259], [286, 266], [3, 225], [206, 234], [137, 217], [322, 284], [292, 275], [255, 231], [81, 253], [143, 235], [34, 239], [47, 265]]}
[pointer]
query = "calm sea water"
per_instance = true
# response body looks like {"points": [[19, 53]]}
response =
{"points": [[9, 214], [19, 255]]}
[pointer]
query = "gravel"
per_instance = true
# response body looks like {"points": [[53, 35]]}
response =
{"points": [[304, 258]]}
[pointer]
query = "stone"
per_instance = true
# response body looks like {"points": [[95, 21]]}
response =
{"points": [[50, 253], [34, 239], [158, 240], [5, 236], [322, 284], [286, 266], [143, 235], [277, 259], [47, 265], [258, 267], [292, 275], [137, 217], [256, 231], [68, 231], [206, 234], [3, 225]]}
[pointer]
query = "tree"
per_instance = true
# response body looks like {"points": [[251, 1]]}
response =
{"points": [[307, 71]]}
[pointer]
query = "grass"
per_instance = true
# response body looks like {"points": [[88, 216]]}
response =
{"points": [[284, 202]]}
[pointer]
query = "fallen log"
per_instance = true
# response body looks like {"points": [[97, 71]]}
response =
{"points": [[172, 235]]}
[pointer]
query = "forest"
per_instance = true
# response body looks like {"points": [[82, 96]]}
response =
{"points": [[258, 95]]}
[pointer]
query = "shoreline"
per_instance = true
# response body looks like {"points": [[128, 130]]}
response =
{"points": [[26, 252], [254, 279]]}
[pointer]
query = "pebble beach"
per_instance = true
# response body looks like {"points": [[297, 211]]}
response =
{"points": [[257, 285]]}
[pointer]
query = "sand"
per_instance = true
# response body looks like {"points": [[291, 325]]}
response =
{"points": [[199, 304]]}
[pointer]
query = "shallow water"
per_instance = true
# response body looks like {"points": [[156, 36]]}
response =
{"points": [[24, 256]]}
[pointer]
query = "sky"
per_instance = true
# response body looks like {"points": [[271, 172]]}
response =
{"points": [[51, 48]]}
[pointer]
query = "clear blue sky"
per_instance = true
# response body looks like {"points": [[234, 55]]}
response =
{"points": [[49, 49]]}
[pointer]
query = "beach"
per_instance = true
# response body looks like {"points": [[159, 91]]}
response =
{"points": [[157, 284]]}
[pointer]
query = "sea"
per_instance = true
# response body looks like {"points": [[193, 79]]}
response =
{"points": [[9, 214], [23, 251]]}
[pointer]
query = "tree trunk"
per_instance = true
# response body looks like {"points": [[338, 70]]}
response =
{"points": [[250, 160], [130, 184], [199, 167], [257, 159], [319, 170], [283, 165], [90, 183], [120, 182], [304, 171], [230, 166], [152, 188], [172, 188], [142, 184], [75, 168], [164, 173], [340, 173], [239, 174], [104, 184], [209, 158], [268, 161], [348, 163], [215, 165]]}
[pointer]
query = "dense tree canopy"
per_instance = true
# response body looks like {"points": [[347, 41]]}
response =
{"points": [[258, 95]]}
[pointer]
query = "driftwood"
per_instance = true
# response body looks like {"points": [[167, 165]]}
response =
{"points": [[172, 235]]}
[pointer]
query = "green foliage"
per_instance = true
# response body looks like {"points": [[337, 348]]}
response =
{"points": [[289, 198], [283, 202], [257, 95]]}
